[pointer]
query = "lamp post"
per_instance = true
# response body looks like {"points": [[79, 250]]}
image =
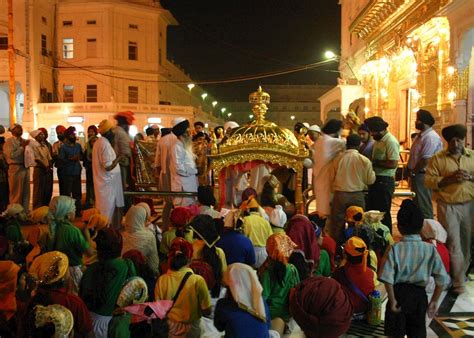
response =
{"points": [[330, 55]]}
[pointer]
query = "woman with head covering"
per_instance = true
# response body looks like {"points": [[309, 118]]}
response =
{"points": [[54, 321], [134, 291], [49, 271], [278, 277], [95, 223], [301, 231], [67, 238], [193, 301], [321, 308], [243, 313], [102, 281], [433, 232], [256, 228], [15, 216], [237, 247], [204, 248], [358, 280], [137, 237], [180, 217]]}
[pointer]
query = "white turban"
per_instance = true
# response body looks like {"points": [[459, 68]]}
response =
{"points": [[35, 133], [315, 128], [178, 120], [231, 125]]}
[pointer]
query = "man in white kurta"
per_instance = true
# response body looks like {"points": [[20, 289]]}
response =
{"points": [[327, 147], [107, 179], [184, 177], [164, 166]]}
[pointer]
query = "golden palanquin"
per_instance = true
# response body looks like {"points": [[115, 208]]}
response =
{"points": [[259, 142]]}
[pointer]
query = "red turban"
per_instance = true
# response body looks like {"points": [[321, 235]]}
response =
{"points": [[204, 270], [60, 129], [127, 115], [180, 216], [321, 307], [44, 131], [301, 231], [94, 128]]}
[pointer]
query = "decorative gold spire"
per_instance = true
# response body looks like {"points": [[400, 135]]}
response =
{"points": [[259, 101]]}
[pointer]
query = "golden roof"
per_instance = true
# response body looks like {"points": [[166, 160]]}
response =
{"points": [[259, 140]]}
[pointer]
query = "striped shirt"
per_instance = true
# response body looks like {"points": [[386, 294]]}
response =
{"points": [[413, 261]]}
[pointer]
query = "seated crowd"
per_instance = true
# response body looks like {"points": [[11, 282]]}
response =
{"points": [[246, 271]]}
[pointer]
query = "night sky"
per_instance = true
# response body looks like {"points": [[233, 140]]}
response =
{"points": [[228, 38]]}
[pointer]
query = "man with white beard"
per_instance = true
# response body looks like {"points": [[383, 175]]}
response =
{"points": [[184, 175]]}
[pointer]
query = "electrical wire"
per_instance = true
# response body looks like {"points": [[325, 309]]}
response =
{"points": [[221, 81]]}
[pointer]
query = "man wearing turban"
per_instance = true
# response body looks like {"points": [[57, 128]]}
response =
{"points": [[122, 147], [426, 144], [450, 174], [327, 147], [165, 168], [184, 177], [60, 130], [41, 161], [385, 157], [18, 174], [107, 180]]}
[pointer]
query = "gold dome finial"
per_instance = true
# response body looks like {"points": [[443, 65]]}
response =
{"points": [[259, 101]]}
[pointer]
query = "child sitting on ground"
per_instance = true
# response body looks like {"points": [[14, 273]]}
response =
{"points": [[378, 234], [326, 242], [354, 275], [353, 219], [406, 272]]}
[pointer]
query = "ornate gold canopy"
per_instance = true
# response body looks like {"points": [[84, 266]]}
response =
{"points": [[260, 140]]}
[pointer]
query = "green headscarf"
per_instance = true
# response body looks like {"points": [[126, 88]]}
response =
{"points": [[60, 208]]}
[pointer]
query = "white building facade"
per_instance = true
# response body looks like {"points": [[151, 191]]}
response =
{"points": [[80, 61]]}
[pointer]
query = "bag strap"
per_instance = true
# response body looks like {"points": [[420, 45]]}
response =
{"points": [[181, 285], [354, 287]]}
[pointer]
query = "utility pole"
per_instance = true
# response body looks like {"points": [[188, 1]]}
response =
{"points": [[11, 64]]}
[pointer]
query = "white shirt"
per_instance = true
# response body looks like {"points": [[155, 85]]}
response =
{"points": [[425, 145], [352, 172]]}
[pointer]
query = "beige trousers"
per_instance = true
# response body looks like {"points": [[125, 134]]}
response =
{"points": [[19, 184], [457, 219]]}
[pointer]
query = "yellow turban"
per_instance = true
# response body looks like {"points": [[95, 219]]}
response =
{"points": [[105, 126], [87, 214], [251, 203], [50, 267], [98, 222], [39, 215]]}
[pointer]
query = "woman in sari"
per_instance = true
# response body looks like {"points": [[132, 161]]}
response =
{"points": [[67, 238], [278, 277], [137, 237]]}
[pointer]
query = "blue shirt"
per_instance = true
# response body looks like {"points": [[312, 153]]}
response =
{"points": [[367, 148], [239, 323], [67, 151], [413, 261], [237, 248], [425, 145]]}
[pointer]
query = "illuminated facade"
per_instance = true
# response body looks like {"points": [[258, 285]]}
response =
{"points": [[401, 55], [80, 61]]}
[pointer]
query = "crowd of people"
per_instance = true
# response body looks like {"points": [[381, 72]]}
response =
{"points": [[250, 265]]}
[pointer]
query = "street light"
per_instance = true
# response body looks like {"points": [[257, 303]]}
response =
{"points": [[251, 116], [191, 86], [292, 117], [229, 114], [223, 110], [204, 95], [214, 103], [330, 55]]}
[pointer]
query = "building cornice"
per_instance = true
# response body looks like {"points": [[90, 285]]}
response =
{"points": [[384, 21]]}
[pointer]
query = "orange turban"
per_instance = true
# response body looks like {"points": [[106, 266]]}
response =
{"points": [[280, 247], [49, 267], [356, 247], [354, 214]]}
